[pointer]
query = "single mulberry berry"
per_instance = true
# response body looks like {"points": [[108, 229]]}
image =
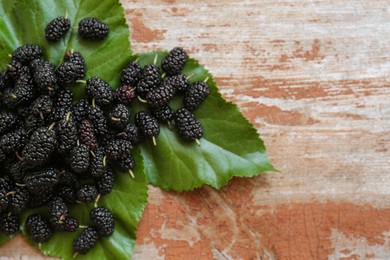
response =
{"points": [[39, 228], [87, 135], [118, 148], [85, 241], [21, 94], [62, 104], [71, 70], [31, 122], [105, 183], [125, 164], [67, 134], [150, 79], [119, 116], [180, 82], [188, 127], [42, 181], [16, 69], [100, 91], [4, 198], [98, 163], [57, 28], [87, 193], [44, 75], [58, 212], [8, 121], [68, 194], [174, 62], [9, 223], [103, 220], [148, 125], [97, 118], [195, 95], [18, 199], [13, 141], [131, 74], [19, 169], [80, 110], [42, 106], [163, 115], [79, 158], [27, 53], [93, 29], [161, 95], [40, 146], [124, 94], [131, 133]]}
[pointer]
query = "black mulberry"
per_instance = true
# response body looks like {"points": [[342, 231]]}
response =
{"points": [[87, 135], [174, 62], [124, 94], [105, 183], [150, 79], [8, 121], [67, 134], [131, 133], [97, 118], [27, 53], [93, 29], [195, 95], [118, 148], [18, 199], [40, 146], [42, 181], [85, 241], [131, 74], [119, 116], [188, 127], [79, 158], [62, 104], [9, 223], [103, 220], [180, 82], [44, 75], [13, 141], [147, 124], [87, 193], [39, 228], [163, 115], [161, 95], [57, 28], [100, 91], [98, 164]]}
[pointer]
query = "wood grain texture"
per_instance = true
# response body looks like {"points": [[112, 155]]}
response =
{"points": [[313, 77]]}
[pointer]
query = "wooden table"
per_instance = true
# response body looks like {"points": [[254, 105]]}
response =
{"points": [[313, 77]]}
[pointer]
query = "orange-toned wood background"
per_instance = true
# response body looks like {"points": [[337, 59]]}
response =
{"points": [[313, 77]]}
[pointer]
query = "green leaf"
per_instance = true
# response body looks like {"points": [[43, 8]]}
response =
{"points": [[24, 21], [230, 146], [126, 202], [4, 239]]}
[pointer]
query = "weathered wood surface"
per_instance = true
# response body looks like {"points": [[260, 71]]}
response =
{"points": [[313, 76]]}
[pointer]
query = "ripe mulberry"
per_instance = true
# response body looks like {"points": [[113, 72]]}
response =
{"points": [[100, 91], [180, 82], [27, 53], [62, 104], [80, 110], [147, 124], [67, 134], [117, 149], [195, 95], [150, 79], [97, 118], [119, 116], [58, 212], [161, 95], [44, 75], [98, 166], [85, 241], [87, 193], [105, 183], [57, 28], [8, 121], [9, 223], [93, 29], [42, 182], [103, 220], [124, 94], [174, 62], [131, 74], [42, 106], [79, 158], [125, 164], [131, 133], [188, 127], [39, 228], [71, 70], [13, 141], [163, 115], [87, 135], [40, 146], [18, 200]]}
